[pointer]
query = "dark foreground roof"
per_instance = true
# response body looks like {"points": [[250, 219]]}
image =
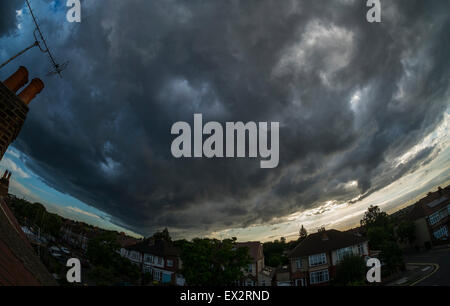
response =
{"points": [[19, 265], [158, 247], [324, 242]]}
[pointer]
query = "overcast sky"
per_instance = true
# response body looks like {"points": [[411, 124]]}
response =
{"points": [[363, 111]]}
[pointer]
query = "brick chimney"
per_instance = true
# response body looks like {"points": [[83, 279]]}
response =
{"points": [[31, 91], [17, 80], [14, 108]]}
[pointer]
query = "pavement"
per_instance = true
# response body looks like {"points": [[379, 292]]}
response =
{"points": [[427, 268]]}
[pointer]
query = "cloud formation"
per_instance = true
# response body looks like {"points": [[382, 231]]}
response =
{"points": [[351, 98]]}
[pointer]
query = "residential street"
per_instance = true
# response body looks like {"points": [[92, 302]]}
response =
{"points": [[438, 256]]}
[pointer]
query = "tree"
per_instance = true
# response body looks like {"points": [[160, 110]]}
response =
{"points": [[374, 217], [377, 235], [274, 253], [101, 249], [406, 232], [379, 228], [392, 256], [211, 262], [108, 266], [351, 271], [163, 235], [303, 233]]}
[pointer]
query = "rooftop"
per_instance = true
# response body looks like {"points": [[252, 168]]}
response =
{"points": [[158, 247], [19, 265], [255, 249], [325, 241]]}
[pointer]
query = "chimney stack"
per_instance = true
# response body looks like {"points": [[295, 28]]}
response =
{"points": [[31, 91], [17, 80]]}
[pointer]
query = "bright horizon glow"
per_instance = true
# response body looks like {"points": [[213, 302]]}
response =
{"points": [[331, 214]]}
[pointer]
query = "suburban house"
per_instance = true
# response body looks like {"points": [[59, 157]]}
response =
{"points": [[257, 274], [431, 218], [158, 257], [282, 277], [313, 261], [77, 234], [123, 240]]}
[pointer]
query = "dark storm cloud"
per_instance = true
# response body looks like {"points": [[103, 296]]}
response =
{"points": [[8, 21], [350, 96]]}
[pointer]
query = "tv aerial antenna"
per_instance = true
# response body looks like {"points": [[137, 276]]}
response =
{"points": [[41, 43]]}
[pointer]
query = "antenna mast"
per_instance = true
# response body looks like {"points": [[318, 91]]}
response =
{"points": [[37, 43], [58, 68]]}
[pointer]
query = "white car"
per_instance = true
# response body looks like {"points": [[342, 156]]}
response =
{"points": [[65, 250], [55, 251]]}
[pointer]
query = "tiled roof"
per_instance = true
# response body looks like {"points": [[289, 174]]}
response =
{"points": [[19, 265], [125, 241], [157, 247], [254, 247], [426, 206], [324, 242]]}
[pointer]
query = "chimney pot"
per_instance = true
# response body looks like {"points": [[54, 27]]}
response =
{"points": [[5, 174], [17, 80], [9, 176], [31, 91]]}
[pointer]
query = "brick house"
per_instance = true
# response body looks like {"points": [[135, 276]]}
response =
{"points": [[256, 274], [158, 257], [431, 218], [313, 261]]}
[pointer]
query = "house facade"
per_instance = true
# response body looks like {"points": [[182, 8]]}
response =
{"points": [[431, 216], [313, 261], [76, 235], [257, 274], [158, 257]]}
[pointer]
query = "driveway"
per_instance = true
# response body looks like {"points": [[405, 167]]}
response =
{"points": [[438, 256]]}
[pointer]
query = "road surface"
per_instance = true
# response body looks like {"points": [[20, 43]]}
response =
{"points": [[441, 257]]}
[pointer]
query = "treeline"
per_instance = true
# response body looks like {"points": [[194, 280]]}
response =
{"points": [[35, 214]]}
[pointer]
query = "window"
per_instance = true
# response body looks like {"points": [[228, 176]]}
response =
{"points": [[341, 253], [160, 260], [147, 269], [317, 260], [134, 255], [438, 216], [148, 258], [361, 249], [169, 263], [250, 268], [298, 264], [441, 233], [319, 277], [157, 275]]}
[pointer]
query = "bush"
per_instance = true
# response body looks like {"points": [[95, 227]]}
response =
{"points": [[351, 271]]}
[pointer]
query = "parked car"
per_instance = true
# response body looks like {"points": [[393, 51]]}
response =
{"points": [[55, 252], [65, 250]]}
